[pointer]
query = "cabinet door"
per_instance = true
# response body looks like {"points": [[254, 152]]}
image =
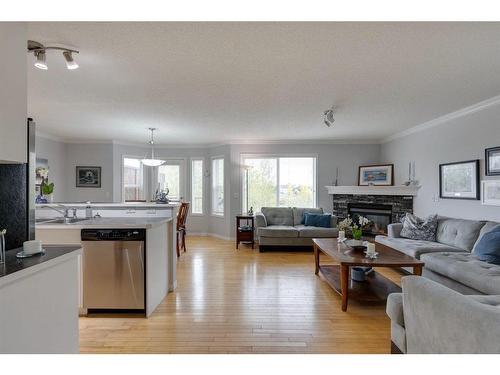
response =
{"points": [[13, 93]]}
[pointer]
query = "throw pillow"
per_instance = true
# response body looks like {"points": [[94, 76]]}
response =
{"points": [[317, 220], [488, 247], [416, 228]]}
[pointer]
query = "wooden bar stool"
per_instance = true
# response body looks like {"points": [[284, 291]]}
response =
{"points": [[181, 227]]}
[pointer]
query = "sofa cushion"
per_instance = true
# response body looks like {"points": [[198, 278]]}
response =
{"points": [[317, 220], [316, 232], [466, 269], [488, 247], [278, 215], [298, 214], [278, 231], [458, 232], [416, 228], [487, 227], [415, 248]]}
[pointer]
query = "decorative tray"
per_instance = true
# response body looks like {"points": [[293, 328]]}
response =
{"points": [[23, 255]]}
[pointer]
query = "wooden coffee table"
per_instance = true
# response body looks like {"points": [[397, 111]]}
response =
{"points": [[376, 288]]}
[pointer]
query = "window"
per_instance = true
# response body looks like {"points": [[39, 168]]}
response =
{"points": [[169, 178], [279, 181], [197, 186], [133, 180], [218, 186]]}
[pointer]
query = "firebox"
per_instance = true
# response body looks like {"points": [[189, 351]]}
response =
{"points": [[380, 216]]}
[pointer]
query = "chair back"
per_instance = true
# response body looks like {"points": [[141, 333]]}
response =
{"points": [[182, 215]]}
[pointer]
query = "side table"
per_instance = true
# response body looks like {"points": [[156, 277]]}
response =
{"points": [[244, 229]]}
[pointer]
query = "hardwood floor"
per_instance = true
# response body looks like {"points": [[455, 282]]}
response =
{"points": [[242, 301]]}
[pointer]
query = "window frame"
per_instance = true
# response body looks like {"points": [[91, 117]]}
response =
{"points": [[144, 178], [203, 209], [182, 178], [212, 213], [244, 156]]}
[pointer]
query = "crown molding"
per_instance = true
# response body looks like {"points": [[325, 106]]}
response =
{"points": [[445, 118]]}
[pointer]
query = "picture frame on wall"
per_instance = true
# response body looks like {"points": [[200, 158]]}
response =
{"points": [[492, 161], [88, 177], [376, 175], [459, 180], [491, 192]]}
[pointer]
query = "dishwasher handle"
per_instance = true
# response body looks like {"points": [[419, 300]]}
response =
{"points": [[113, 235]]}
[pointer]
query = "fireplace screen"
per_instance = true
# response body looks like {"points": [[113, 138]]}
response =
{"points": [[380, 216]]}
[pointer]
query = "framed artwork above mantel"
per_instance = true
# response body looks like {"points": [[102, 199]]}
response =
{"points": [[376, 175]]}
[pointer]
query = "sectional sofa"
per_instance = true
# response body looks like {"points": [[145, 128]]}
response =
{"points": [[449, 261], [282, 228]]}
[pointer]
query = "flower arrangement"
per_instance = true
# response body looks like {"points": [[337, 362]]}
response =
{"points": [[356, 228]]}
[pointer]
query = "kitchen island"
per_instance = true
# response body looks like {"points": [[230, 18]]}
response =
{"points": [[158, 221], [39, 302]]}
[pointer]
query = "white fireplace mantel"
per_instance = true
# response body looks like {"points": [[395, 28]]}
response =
{"points": [[374, 190]]}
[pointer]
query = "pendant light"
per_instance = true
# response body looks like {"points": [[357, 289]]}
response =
{"points": [[152, 162]]}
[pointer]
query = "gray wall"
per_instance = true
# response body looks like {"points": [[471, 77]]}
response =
{"points": [[460, 139], [55, 153], [100, 155]]}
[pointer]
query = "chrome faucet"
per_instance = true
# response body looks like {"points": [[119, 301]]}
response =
{"points": [[64, 211]]}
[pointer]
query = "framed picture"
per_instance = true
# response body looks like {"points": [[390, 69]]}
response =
{"points": [[491, 192], [492, 161], [377, 175], [88, 177], [459, 180]]}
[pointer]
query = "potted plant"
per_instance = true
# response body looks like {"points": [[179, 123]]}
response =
{"points": [[47, 190], [356, 228]]}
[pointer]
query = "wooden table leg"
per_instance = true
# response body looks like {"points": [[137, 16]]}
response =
{"points": [[344, 285], [316, 259], [417, 270]]}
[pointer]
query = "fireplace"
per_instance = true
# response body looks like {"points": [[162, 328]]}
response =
{"points": [[380, 216]]}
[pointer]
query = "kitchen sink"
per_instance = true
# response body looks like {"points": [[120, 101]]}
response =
{"points": [[60, 220]]}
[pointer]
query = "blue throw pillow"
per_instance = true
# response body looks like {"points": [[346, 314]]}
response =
{"points": [[317, 220], [488, 247]]}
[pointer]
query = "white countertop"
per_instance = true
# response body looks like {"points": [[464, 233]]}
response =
{"points": [[108, 223], [111, 205]]}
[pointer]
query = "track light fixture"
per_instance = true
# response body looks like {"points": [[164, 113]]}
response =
{"points": [[328, 117], [40, 52]]}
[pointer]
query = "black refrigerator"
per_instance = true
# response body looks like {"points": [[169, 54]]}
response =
{"points": [[17, 196]]}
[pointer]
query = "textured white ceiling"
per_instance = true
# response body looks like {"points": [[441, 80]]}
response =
{"points": [[219, 82]]}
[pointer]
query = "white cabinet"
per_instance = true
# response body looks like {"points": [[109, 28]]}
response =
{"points": [[13, 92]]}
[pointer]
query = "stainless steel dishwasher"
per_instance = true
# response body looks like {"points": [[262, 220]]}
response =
{"points": [[113, 269]]}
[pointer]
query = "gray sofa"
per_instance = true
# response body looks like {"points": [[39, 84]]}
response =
{"points": [[280, 227], [430, 318], [450, 260]]}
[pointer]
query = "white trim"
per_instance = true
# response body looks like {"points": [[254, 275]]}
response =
{"points": [[445, 118], [374, 190]]}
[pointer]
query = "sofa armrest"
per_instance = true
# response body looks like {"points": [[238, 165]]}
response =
{"points": [[333, 221], [260, 220], [394, 230], [441, 320], [394, 308]]}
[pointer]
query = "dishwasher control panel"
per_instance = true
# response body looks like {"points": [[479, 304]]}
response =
{"points": [[113, 234]]}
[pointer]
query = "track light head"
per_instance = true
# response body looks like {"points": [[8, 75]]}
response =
{"points": [[328, 117], [70, 63], [40, 60]]}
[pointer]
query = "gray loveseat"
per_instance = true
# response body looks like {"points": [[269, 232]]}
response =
{"points": [[450, 260], [431, 318], [280, 227]]}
